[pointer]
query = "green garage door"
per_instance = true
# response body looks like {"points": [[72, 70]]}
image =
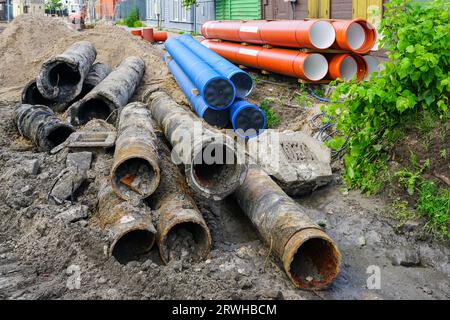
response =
{"points": [[238, 9]]}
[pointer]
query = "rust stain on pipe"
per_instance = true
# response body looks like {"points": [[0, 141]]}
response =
{"points": [[213, 163], [135, 171], [182, 232], [130, 228], [310, 257]]}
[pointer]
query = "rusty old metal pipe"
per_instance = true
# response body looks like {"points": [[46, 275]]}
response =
{"points": [[39, 124], [31, 94], [130, 227], [61, 77], [182, 232], [109, 95], [214, 165], [310, 257], [135, 171]]}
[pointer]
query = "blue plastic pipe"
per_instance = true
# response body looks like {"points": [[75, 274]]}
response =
{"points": [[218, 118], [217, 90], [241, 79], [247, 119]]}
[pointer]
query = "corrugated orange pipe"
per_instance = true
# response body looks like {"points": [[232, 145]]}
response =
{"points": [[356, 35], [313, 34], [346, 65], [307, 66]]}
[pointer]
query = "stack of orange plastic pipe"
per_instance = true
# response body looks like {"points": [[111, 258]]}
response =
{"points": [[274, 43]]}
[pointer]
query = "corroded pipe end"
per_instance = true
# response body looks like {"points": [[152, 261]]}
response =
{"points": [[311, 259], [135, 173], [131, 236], [185, 238], [31, 95], [216, 170], [93, 107]]}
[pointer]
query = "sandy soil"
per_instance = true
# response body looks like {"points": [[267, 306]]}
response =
{"points": [[41, 256]]}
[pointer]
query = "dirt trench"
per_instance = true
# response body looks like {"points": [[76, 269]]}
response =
{"points": [[42, 257]]}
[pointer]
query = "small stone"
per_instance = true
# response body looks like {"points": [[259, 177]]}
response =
{"points": [[373, 237], [240, 270], [102, 280], [67, 182], [309, 278], [208, 261], [322, 223], [3, 256], [361, 242], [32, 166], [27, 190], [73, 214], [83, 223], [80, 160], [404, 257], [177, 266], [246, 284], [427, 290]]}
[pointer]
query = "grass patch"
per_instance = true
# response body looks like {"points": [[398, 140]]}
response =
{"points": [[272, 119], [434, 204]]}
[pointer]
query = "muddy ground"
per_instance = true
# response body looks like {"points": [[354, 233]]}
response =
{"points": [[41, 256]]}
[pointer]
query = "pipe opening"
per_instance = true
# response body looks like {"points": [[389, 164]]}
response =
{"points": [[58, 135], [134, 178], [315, 67], [356, 36], [218, 118], [322, 35], [132, 244], [315, 264], [219, 93], [62, 75], [243, 84], [348, 68], [187, 241], [216, 168], [33, 96], [93, 109], [249, 121]]}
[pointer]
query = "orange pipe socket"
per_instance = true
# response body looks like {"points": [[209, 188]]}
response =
{"points": [[307, 66], [147, 34], [160, 36], [137, 33], [346, 65], [356, 35], [313, 34]]}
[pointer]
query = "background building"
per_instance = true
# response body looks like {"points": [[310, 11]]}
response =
{"points": [[36, 7], [171, 14]]}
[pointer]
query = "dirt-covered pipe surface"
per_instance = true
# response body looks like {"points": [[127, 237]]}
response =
{"points": [[310, 257], [214, 164], [31, 94], [135, 171], [61, 77], [182, 233], [109, 95], [39, 124], [130, 228]]}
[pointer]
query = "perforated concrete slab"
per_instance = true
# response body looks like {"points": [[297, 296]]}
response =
{"points": [[298, 162]]}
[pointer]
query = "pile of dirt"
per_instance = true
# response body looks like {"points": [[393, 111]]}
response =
{"points": [[28, 41]]}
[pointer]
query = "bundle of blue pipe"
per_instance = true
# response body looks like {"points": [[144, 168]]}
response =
{"points": [[215, 87]]}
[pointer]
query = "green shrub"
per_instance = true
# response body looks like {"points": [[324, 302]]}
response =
{"points": [[272, 119], [374, 114]]}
